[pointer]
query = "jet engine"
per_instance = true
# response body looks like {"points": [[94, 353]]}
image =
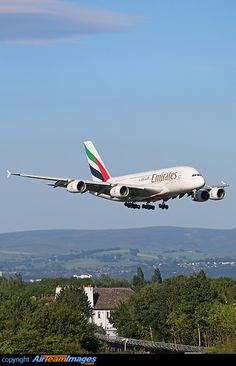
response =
{"points": [[201, 195], [77, 186], [119, 191], [217, 194]]}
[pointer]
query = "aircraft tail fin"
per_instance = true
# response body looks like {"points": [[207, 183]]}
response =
{"points": [[97, 167]]}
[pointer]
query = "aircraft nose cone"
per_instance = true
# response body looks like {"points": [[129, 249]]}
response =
{"points": [[201, 181]]}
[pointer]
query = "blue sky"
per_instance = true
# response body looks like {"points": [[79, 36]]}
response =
{"points": [[152, 83]]}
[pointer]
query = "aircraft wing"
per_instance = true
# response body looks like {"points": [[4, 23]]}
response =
{"points": [[222, 185], [99, 187], [59, 182], [95, 187], [134, 191]]}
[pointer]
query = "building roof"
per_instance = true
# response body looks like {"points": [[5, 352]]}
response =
{"points": [[110, 298]]}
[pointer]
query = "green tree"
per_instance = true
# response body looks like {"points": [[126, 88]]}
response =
{"points": [[76, 298], [144, 315], [178, 324], [106, 281], [30, 325], [156, 278], [176, 310], [125, 320], [226, 289], [221, 323], [138, 279], [63, 320]]}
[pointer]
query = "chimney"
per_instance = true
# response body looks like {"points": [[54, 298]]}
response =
{"points": [[89, 292], [58, 290]]}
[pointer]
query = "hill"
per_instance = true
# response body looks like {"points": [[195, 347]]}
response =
{"points": [[212, 242]]}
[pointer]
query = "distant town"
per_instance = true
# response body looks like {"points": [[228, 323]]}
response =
{"points": [[117, 253], [114, 265]]}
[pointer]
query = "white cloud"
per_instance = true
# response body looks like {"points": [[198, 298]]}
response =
{"points": [[53, 20]]}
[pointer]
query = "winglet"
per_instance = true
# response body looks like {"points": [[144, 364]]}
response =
{"points": [[224, 184], [8, 173]]}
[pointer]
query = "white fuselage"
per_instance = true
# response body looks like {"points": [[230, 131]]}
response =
{"points": [[164, 183]]}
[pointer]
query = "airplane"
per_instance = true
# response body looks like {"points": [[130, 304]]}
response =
{"points": [[137, 190]]}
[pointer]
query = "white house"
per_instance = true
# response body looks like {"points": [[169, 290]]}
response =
{"points": [[103, 301]]}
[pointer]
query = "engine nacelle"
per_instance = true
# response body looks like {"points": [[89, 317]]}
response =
{"points": [[119, 191], [201, 195], [77, 186], [217, 194]]}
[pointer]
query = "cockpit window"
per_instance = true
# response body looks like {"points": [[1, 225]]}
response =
{"points": [[196, 175]]}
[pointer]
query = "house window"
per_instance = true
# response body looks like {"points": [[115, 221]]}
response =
{"points": [[108, 314], [99, 315]]}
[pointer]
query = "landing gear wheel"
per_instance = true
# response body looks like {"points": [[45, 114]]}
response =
{"points": [[147, 206], [132, 205], [163, 206]]}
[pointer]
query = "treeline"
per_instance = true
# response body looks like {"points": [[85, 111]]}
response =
{"points": [[30, 324], [192, 310], [31, 321]]}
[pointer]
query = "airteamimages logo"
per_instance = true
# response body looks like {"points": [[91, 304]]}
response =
{"points": [[83, 360]]}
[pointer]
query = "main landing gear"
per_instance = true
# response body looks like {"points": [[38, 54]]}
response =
{"points": [[146, 206], [163, 206], [132, 205]]}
